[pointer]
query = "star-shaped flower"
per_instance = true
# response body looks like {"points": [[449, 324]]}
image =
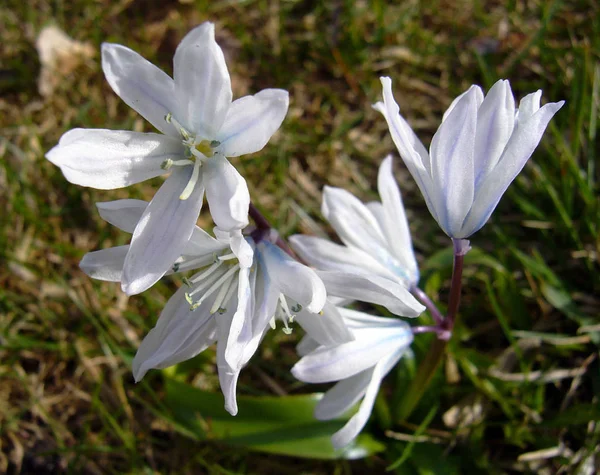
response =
{"points": [[200, 126]]}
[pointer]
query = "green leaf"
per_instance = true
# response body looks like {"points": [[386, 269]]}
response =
{"points": [[279, 425]]}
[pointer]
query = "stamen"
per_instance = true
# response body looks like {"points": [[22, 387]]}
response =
{"points": [[181, 163], [232, 289], [221, 295], [209, 282], [272, 323], [227, 257], [169, 119], [168, 163], [187, 191], [195, 263], [215, 286], [205, 273]]}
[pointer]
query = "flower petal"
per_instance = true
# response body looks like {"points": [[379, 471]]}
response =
{"points": [[474, 89], [521, 145], [162, 233], [251, 121], [109, 159], [353, 222], [327, 327], [357, 422], [495, 123], [528, 106], [227, 194], [124, 214], [395, 225], [228, 378], [242, 340], [343, 361], [295, 280], [374, 289], [180, 334], [326, 255], [343, 396], [141, 85], [202, 83], [409, 147], [452, 164], [105, 264]]}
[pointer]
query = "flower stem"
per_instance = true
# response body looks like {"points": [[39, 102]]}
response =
{"points": [[425, 300], [263, 225], [434, 356]]}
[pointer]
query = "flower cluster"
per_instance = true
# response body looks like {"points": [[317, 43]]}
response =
{"points": [[240, 282]]}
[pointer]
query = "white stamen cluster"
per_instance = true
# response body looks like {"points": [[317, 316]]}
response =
{"points": [[197, 151]]}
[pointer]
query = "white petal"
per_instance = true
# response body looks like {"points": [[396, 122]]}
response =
{"points": [[356, 320], [395, 225], [124, 214], [374, 289], [162, 233], [307, 345], [202, 243], [495, 123], [241, 248], [343, 361], [521, 145], [106, 264], [242, 341], [295, 280], [354, 223], [528, 106], [474, 89], [227, 194], [179, 334], [326, 255], [228, 378], [343, 396], [411, 149], [140, 84], [267, 295], [251, 121], [109, 159], [357, 422], [202, 82], [327, 327], [452, 149]]}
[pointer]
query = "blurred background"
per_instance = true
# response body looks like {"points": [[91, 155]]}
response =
{"points": [[518, 389]]}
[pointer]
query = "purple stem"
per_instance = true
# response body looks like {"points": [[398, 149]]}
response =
{"points": [[264, 227], [425, 300], [461, 247]]}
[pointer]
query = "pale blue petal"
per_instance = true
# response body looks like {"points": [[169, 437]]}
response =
{"points": [[251, 121], [202, 82], [141, 85], [109, 159], [162, 233]]}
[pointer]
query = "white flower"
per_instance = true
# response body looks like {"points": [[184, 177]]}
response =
{"points": [[201, 127], [239, 291], [358, 365], [376, 263], [478, 150]]}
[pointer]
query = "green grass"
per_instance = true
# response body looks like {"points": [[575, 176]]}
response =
{"points": [[517, 391]]}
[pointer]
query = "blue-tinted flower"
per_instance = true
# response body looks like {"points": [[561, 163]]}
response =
{"points": [[376, 263], [358, 367], [200, 126], [478, 150]]}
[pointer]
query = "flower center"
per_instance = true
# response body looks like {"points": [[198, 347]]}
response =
{"points": [[197, 151], [219, 277]]}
